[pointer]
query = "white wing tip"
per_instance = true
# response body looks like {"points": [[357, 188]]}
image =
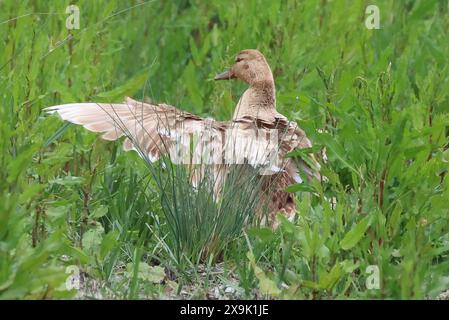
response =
{"points": [[61, 107]]}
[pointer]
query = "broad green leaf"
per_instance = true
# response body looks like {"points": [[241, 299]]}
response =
{"points": [[108, 243], [355, 234], [329, 280], [99, 212], [265, 234], [153, 274], [266, 285], [127, 89], [286, 225], [92, 239], [300, 187]]}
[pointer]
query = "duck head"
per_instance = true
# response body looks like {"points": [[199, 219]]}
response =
{"points": [[250, 66]]}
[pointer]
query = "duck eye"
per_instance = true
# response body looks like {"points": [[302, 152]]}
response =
{"points": [[238, 60]]}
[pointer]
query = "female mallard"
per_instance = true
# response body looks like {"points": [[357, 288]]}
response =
{"points": [[257, 135]]}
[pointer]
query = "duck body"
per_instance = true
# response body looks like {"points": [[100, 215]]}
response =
{"points": [[255, 130]]}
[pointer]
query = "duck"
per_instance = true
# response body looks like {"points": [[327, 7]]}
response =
{"points": [[257, 135]]}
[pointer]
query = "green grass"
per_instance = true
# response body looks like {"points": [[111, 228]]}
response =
{"points": [[377, 100]]}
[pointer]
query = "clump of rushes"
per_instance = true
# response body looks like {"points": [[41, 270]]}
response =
{"points": [[200, 226]]}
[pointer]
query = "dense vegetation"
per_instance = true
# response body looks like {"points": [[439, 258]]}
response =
{"points": [[377, 100]]}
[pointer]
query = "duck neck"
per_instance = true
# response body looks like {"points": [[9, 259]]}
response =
{"points": [[258, 101]]}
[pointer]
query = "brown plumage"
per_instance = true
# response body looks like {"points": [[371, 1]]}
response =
{"points": [[154, 129]]}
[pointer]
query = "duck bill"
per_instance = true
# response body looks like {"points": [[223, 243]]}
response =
{"points": [[226, 75]]}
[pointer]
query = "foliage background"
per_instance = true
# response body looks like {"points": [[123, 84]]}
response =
{"points": [[376, 99]]}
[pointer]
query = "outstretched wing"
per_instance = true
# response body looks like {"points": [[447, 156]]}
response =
{"points": [[150, 129]]}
